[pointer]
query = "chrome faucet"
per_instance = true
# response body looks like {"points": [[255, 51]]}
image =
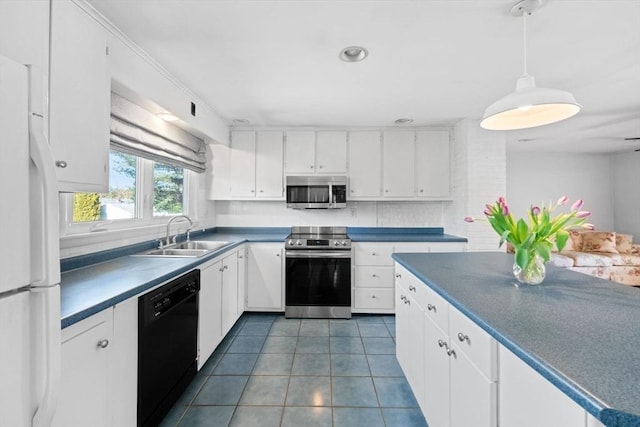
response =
{"points": [[170, 240]]}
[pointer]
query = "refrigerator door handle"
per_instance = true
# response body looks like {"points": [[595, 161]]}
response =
{"points": [[50, 297], [43, 159]]}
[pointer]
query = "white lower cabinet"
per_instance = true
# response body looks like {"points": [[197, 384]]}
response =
{"points": [[454, 374], [529, 400], [265, 290], [229, 292]]}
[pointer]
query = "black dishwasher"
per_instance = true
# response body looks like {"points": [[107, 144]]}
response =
{"points": [[167, 345]]}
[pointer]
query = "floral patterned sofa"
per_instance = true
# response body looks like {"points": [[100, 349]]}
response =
{"points": [[607, 255]]}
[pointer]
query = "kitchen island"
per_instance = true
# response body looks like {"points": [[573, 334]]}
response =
{"points": [[578, 332]]}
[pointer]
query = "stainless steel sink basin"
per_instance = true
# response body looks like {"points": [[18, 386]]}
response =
{"points": [[188, 249], [200, 244]]}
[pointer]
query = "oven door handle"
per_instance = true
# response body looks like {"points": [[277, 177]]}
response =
{"points": [[318, 254]]}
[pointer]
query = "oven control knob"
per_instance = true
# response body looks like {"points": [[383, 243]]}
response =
{"points": [[290, 243], [336, 243], [344, 243], [299, 242]]}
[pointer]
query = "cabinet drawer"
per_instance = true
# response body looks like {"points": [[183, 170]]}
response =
{"points": [[436, 308], [480, 347], [373, 254], [374, 277], [374, 298]]}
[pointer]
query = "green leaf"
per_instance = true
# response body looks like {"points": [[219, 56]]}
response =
{"points": [[522, 258], [523, 230], [561, 239]]}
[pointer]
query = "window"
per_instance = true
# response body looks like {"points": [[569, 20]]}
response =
{"points": [[125, 202]]}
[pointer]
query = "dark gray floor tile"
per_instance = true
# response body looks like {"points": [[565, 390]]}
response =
{"points": [[353, 392], [389, 319], [236, 364], [347, 345], [309, 391], [396, 417], [351, 365], [364, 319], [355, 417], [314, 328], [236, 327], [384, 365], [312, 345], [374, 330], [391, 327], [379, 345], [394, 392], [192, 389], [221, 390], [273, 364], [307, 417], [225, 343], [276, 344], [252, 416], [260, 317], [173, 417], [210, 364], [343, 328], [205, 416], [265, 390], [311, 364], [255, 328], [246, 344]]}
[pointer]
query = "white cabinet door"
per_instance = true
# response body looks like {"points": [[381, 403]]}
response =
{"points": [[85, 397], [269, 146], [365, 164], [209, 310], [124, 378], [436, 375], [264, 277], [300, 152], [243, 159], [398, 164], [229, 292], [331, 152], [526, 399], [219, 172], [432, 173], [242, 280], [79, 99], [473, 396]]}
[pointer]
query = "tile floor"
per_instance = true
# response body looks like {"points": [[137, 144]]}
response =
{"points": [[272, 371]]}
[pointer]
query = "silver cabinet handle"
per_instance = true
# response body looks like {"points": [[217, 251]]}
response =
{"points": [[373, 296], [320, 167], [421, 190], [311, 166], [277, 254], [61, 164], [451, 352], [374, 254], [431, 307], [398, 276], [225, 267], [386, 191], [412, 288], [402, 298], [253, 191], [407, 301], [221, 269], [103, 343], [462, 337], [262, 191], [443, 344], [374, 275]]}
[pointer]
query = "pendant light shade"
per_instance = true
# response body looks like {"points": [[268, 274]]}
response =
{"points": [[529, 106]]}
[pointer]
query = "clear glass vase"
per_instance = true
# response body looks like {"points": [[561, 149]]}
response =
{"points": [[533, 273]]}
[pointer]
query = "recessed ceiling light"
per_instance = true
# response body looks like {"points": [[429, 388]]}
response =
{"points": [[168, 117], [241, 122], [404, 121], [353, 54]]}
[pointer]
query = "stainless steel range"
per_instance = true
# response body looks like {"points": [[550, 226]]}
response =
{"points": [[318, 273]]}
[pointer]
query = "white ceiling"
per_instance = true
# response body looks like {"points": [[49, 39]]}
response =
{"points": [[275, 62]]}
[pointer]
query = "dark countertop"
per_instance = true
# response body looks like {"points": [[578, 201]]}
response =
{"points": [[580, 332], [94, 282]]}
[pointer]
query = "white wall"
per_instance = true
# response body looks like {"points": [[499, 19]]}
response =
{"points": [[357, 214], [542, 178], [626, 179]]}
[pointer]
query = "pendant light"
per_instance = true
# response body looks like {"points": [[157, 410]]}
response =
{"points": [[529, 106]]}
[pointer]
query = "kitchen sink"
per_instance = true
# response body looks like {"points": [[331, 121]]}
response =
{"points": [[188, 249]]}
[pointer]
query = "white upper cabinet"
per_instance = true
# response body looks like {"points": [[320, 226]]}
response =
{"points": [[79, 105], [269, 148], [365, 165], [398, 164], [309, 152], [300, 152], [243, 158], [218, 172], [331, 152], [432, 172]]}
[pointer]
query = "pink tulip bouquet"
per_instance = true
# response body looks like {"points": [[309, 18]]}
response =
{"points": [[538, 236]]}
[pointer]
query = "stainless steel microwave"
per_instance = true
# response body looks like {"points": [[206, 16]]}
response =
{"points": [[316, 192]]}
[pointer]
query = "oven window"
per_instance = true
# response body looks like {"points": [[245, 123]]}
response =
{"points": [[308, 194], [318, 281]]}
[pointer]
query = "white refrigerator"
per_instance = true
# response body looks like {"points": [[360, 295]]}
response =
{"points": [[29, 254]]}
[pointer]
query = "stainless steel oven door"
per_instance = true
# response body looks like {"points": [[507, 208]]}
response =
{"points": [[318, 283]]}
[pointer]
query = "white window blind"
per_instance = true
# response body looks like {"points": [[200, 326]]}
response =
{"points": [[137, 131]]}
